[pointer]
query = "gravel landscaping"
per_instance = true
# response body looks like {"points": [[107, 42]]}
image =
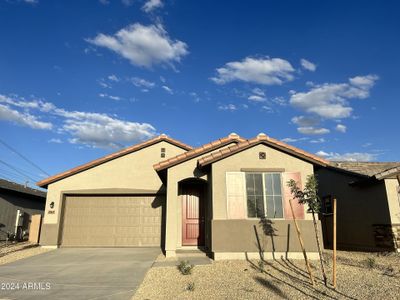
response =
{"points": [[360, 275], [13, 252]]}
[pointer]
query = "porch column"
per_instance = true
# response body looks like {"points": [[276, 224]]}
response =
{"points": [[171, 216]]}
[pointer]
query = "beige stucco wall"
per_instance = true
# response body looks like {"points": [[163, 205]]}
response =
{"points": [[250, 159], [393, 199], [358, 208], [132, 171], [279, 236]]}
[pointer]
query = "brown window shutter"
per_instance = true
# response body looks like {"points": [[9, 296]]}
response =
{"points": [[236, 197], [297, 208]]}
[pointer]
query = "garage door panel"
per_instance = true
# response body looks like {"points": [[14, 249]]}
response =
{"points": [[111, 221]]}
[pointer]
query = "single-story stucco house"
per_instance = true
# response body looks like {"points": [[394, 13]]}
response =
{"points": [[228, 198], [17, 204], [368, 204]]}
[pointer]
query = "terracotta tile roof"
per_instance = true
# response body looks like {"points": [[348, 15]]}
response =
{"points": [[366, 168], [233, 137], [112, 156], [261, 139]]}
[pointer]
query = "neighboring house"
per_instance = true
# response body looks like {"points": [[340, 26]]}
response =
{"points": [[17, 199], [368, 204], [228, 197]]}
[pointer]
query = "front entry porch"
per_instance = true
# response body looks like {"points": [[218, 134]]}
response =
{"points": [[190, 212]]}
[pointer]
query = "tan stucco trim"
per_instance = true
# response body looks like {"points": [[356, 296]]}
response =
{"points": [[266, 255], [264, 170], [112, 191]]}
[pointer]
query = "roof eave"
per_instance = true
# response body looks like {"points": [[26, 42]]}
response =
{"points": [[159, 168], [45, 182], [204, 161]]}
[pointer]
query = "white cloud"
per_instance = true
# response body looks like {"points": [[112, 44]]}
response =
{"points": [[115, 98], [229, 107], [279, 100], [55, 141], [308, 65], [88, 128], [104, 84], [151, 5], [142, 45], [267, 71], [364, 81], [258, 92], [293, 140], [330, 100], [366, 145], [341, 128], [267, 108], [313, 130], [31, 1], [168, 89], [113, 77], [101, 130], [353, 156], [22, 118], [142, 83], [305, 121], [257, 98], [317, 141]]}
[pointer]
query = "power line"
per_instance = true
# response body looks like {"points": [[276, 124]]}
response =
{"points": [[23, 157], [12, 174], [22, 171], [16, 170]]}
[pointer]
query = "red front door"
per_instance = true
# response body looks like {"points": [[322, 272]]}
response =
{"points": [[192, 217]]}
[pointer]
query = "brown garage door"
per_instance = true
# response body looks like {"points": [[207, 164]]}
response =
{"points": [[111, 221]]}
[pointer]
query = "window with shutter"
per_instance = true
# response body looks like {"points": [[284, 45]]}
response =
{"points": [[257, 195], [236, 198], [298, 208]]}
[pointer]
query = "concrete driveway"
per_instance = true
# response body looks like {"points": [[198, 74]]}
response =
{"points": [[87, 273]]}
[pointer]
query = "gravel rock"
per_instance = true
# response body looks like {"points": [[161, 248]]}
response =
{"points": [[13, 252], [359, 276]]}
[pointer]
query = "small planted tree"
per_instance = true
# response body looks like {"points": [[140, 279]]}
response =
{"points": [[310, 197]]}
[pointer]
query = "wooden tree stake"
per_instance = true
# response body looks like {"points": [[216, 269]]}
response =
{"points": [[334, 243], [301, 243]]}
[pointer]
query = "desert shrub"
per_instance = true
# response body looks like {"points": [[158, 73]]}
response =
{"points": [[185, 267], [370, 262], [190, 286], [261, 266]]}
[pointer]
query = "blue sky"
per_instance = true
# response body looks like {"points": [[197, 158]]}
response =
{"points": [[80, 79]]}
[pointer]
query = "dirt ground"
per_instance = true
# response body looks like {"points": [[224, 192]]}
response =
{"points": [[360, 275]]}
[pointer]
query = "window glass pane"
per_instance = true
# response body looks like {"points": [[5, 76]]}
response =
{"points": [[277, 184], [270, 206], [268, 184], [250, 184], [260, 206], [258, 184], [278, 207], [255, 199], [251, 207]]}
